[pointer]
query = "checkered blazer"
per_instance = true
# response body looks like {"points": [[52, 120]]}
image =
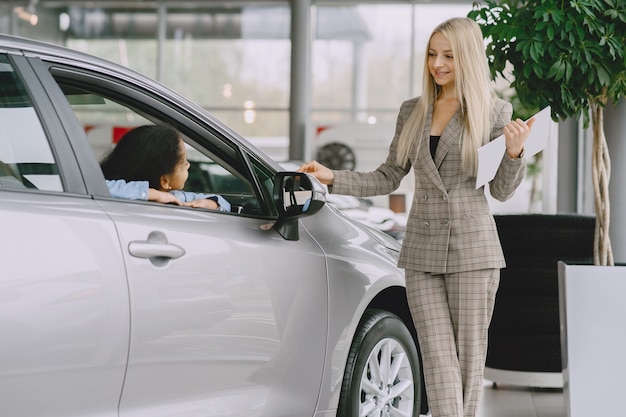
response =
{"points": [[450, 228]]}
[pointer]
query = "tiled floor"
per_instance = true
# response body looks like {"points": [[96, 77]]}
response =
{"points": [[515, 401]]}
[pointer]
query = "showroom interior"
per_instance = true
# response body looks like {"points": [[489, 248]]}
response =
{"points": [[324, 79]]}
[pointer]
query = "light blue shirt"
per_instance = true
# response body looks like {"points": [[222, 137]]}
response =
{"points": [[138, 190], [133, 190]]}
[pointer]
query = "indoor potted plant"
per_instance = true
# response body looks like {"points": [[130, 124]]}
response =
{"points": [[570, 55]]}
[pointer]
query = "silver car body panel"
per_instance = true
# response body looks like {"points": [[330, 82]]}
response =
{"points": [[226, 327], [64, 307], [361, 264]]}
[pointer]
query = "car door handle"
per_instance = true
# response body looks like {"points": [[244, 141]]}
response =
{"points": [[153, 250], [156, 246]]}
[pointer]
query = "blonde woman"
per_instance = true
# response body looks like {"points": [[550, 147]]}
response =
{"points": [[451, 252]]}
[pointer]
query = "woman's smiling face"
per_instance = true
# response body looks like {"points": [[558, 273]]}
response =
{"points": [[441, 60]]}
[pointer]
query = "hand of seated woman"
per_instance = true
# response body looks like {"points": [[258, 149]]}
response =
{"points": [[162, 197], [202, 203]]}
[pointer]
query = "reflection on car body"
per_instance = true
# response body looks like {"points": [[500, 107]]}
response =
{"points": [[364, 210]]}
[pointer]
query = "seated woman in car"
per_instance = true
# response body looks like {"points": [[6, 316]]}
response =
{"points": [[150, 163]]}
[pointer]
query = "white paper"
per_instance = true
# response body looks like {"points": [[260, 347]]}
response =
{"points": [[490, 155], [489, 158]]}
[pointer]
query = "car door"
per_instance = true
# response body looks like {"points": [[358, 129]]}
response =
{"points": [[64, 305], [226, 328], [227, 317]]}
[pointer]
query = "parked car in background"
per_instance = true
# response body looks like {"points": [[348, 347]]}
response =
{"points": [[353, 145], [109, 307]]}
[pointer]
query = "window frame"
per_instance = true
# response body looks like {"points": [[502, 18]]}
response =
{"points": [[153, 104], [69, 171]]}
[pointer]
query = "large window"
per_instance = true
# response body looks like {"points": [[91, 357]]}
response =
{"points": [[365, 71], [234, 59]]}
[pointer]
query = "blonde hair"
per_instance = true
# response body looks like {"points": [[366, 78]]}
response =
{"points": [[473, 89]]}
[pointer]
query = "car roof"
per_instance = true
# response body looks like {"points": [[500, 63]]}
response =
{"points": [[50, 50]]}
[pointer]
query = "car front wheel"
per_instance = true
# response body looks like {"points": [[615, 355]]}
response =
{"points": [[383, 373]]}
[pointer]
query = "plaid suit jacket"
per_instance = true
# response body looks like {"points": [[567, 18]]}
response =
{"points": [[450, 228]]}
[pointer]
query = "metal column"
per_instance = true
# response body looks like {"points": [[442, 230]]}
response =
{"points": [[299, 102]]}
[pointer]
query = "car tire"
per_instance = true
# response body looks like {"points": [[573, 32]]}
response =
{"points": [[382, 343], [336, 156]]}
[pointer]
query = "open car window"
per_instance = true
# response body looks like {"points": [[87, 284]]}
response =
{"points": [[106, 117]]}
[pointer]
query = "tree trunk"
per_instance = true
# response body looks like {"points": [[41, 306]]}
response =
{"points": [[601, 174]]}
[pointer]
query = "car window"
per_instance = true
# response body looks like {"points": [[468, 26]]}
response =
{"points": [[106, 119], [26, 158]]}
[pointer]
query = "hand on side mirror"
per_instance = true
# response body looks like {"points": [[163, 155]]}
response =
{"points": [[295, 195]]}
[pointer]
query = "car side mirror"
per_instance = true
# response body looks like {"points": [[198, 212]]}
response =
{"points": [[295, 195]]}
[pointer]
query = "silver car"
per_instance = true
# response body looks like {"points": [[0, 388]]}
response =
{"points": [[109, 307]]}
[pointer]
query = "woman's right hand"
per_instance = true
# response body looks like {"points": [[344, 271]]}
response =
{"points": [[323, 174]]}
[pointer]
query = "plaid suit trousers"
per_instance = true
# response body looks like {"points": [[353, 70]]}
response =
{"points": [[452, 313]]}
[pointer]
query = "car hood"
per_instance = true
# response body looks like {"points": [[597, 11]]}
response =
{"points": [[382, 238], [331, 221]]}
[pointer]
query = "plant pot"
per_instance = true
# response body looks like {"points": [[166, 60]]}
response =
{"points": [[593, 338]]}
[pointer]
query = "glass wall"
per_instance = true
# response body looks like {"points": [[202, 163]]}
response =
{"points": [[21, 18], [363, 72], [239, 71], [235, 60]]}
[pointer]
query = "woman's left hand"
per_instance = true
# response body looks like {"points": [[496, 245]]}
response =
{"points": [[206, 203], [162, 197], [515, 134]]}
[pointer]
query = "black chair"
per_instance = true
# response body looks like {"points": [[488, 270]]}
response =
{"points": [[524, 336]]}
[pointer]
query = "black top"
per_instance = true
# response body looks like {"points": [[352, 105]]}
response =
{"points": [[434, 141]]}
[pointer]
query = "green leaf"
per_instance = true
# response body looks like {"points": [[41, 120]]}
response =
{"points": [[611, 13], [568, 71], [550, 32], [588, 57], [527, 70], [583, 66], [534, 53], [585, 119], [579, 31], [557, 17], [557, 70], [540, 13], [603, 76], [591, 76]]}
